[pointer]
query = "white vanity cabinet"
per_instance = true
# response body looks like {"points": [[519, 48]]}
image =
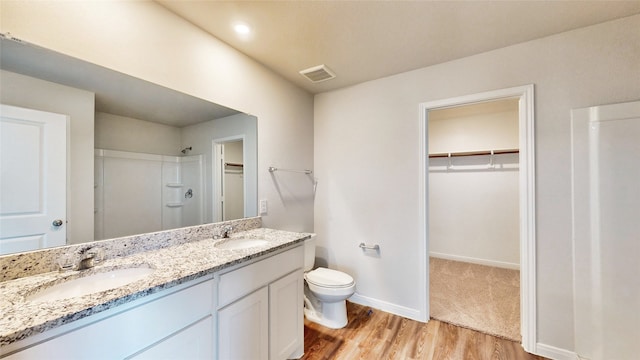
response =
{"points": [[259, 309], [253, 310], [167, 325]]}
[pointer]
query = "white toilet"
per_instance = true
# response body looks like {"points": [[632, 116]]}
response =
{"points": [[325, 291]]}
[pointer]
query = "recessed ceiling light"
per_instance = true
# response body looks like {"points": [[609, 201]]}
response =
{"points": [[242, 29]]}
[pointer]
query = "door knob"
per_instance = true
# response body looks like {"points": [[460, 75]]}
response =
{"points": [[57, 222]]}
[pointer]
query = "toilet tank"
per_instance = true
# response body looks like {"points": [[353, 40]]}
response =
{"points": [[309, 252]]}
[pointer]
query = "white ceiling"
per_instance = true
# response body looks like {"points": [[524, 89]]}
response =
{"points": [[366, 40]]}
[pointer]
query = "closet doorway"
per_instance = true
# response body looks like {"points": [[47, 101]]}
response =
{"points": [[478, 212], [229, 184]]}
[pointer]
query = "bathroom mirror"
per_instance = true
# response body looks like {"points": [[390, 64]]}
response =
{"points": [[140, 157]]}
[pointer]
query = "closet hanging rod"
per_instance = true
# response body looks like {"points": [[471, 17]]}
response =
{"points": [[233, 164], [305, 171], [474, 153]]}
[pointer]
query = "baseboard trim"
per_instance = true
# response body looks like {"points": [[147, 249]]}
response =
{"points": [[500, 264], [403, 311], [555, 353]]}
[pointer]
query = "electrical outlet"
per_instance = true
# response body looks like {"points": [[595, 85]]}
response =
{"points": [[263, 206]]}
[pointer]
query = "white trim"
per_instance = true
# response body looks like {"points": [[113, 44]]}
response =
{"points": [[409, 313], [528, 325], [472, 260], [555, 353], [217, 178], [528, 293], [423, 216]]}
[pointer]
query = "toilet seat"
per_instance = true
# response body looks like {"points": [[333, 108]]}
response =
{"points": [[329, 278]]}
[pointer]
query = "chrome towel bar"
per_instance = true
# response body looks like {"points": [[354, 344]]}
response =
{"points": [[305, 171], [364, 246]]}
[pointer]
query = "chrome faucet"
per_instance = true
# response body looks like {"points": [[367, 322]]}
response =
{"points": [[224, 232], [90, 257], [81, 260]]}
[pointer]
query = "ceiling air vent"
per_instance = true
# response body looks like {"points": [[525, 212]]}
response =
{"points": [[318, 73]]}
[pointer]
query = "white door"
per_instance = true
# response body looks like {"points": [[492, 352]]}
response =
{"points": [[33, 165]]}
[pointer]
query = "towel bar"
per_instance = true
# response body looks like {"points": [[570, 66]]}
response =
{"points": [[369, 247]]}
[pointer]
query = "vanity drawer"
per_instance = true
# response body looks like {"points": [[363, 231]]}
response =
{"points": [[237, 283]]}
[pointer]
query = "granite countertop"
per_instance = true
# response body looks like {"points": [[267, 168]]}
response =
{"points": [[174, 265]]}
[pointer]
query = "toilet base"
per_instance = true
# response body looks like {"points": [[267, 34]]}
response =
{"points": [[333, 315]]}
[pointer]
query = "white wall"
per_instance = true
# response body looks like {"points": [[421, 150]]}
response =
{"points": [[366, 159], [114, 132], [129, 194], [192, 176], [145, 40], [474, 211], [28, 92], [477, 127]]}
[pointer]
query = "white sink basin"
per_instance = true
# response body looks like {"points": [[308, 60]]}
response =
{"points": [[94, 283], [241, 243]]}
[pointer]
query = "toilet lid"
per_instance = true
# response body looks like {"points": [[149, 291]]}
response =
{"points": [[328, 278]]}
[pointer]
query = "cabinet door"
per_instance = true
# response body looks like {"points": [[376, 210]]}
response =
{"points": [[193, 343], [243, 328], [286, 316]]}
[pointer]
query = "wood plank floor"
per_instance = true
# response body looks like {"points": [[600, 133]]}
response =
{"points": [[374, 334]]}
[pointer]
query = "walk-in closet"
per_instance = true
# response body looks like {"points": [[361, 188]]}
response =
{"points": [[474, 234]]}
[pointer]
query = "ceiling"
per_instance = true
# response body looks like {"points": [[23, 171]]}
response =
{"points": [[366, 40]]}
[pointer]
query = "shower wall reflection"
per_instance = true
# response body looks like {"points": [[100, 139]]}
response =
{"points": [[159, 192]]}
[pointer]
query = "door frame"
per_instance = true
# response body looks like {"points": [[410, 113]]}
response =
{"points": [[525, 94]]}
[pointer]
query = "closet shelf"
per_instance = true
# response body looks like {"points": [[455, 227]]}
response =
{"points": [[474, 153]]}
